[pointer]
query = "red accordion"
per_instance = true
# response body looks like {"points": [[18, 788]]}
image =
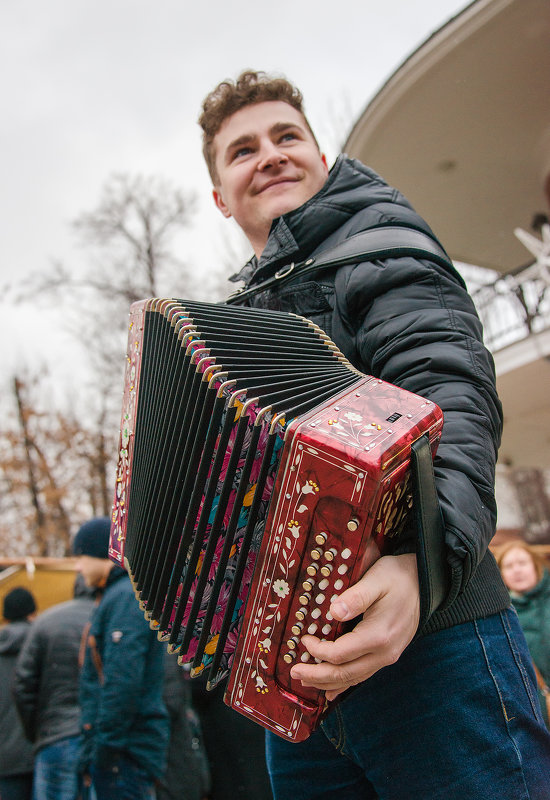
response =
{"points": [[259, 475]]}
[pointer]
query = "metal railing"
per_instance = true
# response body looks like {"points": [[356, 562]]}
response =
{"points": [[512, 307]]}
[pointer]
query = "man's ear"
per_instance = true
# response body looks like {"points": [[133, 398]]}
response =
{"points": [[219, 201]]}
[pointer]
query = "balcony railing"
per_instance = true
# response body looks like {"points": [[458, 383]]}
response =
{"points": [[512, 307]]}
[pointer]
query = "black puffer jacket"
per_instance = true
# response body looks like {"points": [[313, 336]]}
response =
{"points": [[16, 756], [47, 673], [410, 322]]}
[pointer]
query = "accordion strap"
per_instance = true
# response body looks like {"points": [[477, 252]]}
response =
{"points": [[388, 241], [430, 548]]}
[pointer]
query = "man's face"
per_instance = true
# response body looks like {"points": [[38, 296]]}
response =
{"points": [[267, 163], [93, 570]]}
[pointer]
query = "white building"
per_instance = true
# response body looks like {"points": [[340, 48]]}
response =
{"points": [[462, 128]]}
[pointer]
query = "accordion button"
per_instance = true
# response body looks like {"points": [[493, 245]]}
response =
{"points": [[326, 629], [320, 599], [312, 569], [326, 570], [305, 598], [297, 628], [292, 643], [308, 585], [312, 628], [338, 585], [353, 524], [316, 554], [323, 584], [316, 613], [342, 569], [321, 538], [330, 554], [346, 553], [288, 658], [301, 613]]}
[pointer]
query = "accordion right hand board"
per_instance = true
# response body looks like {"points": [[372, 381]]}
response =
{"points": [[342, 491]]}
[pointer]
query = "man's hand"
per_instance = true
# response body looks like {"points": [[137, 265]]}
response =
{"points": [[388, 597]]}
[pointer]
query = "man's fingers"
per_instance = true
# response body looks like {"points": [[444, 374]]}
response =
{"points": [[358, 598], [332, 677]]}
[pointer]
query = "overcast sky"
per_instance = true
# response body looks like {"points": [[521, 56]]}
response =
{"points": [[92, 88]]}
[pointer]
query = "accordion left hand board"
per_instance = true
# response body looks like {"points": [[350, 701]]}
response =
{"points": [[259, 476]]}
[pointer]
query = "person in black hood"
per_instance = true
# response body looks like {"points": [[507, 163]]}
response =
{"points": [[435, 700], [16, 753]]}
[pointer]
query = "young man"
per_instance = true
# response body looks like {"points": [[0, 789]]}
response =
{"points": [[443, 706], [124, 720]]}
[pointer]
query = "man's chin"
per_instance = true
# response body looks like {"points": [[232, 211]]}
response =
{"points": [[285, 205]]}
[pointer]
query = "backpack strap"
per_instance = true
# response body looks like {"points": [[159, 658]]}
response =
{"points": [[375, 243]]}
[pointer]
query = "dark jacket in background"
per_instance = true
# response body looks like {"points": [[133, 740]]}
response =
{"points": [[187, 774], [47, 672], [235, 746], [121, 684], [533, 609], [16, 754], [412, 323]]}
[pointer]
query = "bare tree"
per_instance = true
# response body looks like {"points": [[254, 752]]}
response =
{"points": [[58, 465], [38, 465]]}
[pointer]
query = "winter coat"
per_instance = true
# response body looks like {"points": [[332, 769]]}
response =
{"points": [[533, 608], [412, 323], [47, 673], [121, 684], [187, 774], [16, 755]]}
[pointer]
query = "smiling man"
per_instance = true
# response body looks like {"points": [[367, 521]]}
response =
{"points": [[267, 162], [431, 705]]}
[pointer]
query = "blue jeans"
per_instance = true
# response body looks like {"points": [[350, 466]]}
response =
{"points": [[56, 770], [456, 717], [124, 780]]}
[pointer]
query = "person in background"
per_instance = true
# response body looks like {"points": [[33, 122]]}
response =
{"points": [[125, 724], [187, 774], [46, 693], [528, 580], [235, 746], [16, 753]]}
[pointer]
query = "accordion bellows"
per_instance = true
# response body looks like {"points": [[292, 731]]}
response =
{"points": [[259, 475]]}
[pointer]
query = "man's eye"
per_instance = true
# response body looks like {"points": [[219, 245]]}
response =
{"points": [[286, 137], [242, 151]]}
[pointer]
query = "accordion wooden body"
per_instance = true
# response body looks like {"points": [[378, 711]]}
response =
{"points": [[259, 475]]}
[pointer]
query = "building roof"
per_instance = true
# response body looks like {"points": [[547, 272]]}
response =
{"points": [[462, 128]]}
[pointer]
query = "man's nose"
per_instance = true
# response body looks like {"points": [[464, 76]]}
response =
{"points": [[271, 156]]}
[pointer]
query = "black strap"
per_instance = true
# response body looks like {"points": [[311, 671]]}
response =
{"points": [[375, 243], [430, 555]]}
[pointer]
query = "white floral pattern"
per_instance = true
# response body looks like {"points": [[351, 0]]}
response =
{"points": [[281, 587]]}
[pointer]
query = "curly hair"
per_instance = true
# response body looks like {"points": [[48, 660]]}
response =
{"points": [[230, 96]]}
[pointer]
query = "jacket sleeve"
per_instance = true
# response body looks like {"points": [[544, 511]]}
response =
{"points": [[126, 640], [416, 326], [26, 682]]}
